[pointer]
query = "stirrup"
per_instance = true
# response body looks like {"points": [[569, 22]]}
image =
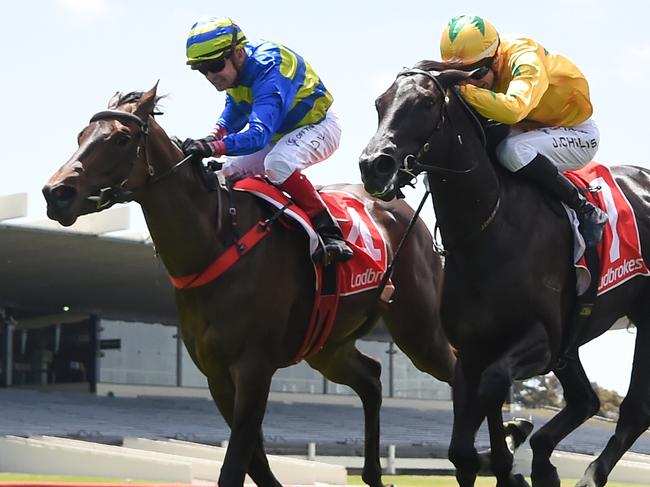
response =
{"points": [[338, 249], [592, 225]]}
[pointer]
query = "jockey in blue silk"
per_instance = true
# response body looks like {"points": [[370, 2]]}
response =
{"points": [[277, 119]]}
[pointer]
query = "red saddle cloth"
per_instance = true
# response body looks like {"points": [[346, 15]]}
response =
{"points": [[619, 249], [361, 273]]}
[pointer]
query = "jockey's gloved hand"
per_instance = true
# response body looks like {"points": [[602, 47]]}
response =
{"points": [[206, 147], [198, 147], [495, 132]]}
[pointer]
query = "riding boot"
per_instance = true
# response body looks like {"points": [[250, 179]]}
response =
{"points": [[307, 198], [591, 218], [330, 232]]}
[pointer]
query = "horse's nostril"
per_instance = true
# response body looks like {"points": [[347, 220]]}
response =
{"points": [[62, 196], [385, 164]]}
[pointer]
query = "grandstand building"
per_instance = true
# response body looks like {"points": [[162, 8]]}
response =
{"points": [[91, 306]]}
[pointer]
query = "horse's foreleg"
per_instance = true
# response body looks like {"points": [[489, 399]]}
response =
{"points": [[346, 365], [581, 403], [223, 393], [524, 358], [634, 416], [492, 393], [245, 451], [468, 417]]}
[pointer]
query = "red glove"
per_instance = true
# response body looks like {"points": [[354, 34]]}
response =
{"points": [[218, 147], [219, 132]]}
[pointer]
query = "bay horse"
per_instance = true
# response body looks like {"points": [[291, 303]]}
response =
{"points": [[509, 282], [240, 328]]}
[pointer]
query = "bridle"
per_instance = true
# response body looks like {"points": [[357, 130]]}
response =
{"points": [[118, 193], [411, 166]]}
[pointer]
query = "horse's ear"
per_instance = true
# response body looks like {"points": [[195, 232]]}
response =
{"points": [[112, 103], [147, 102]]}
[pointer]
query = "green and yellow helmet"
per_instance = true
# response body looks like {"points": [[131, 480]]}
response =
{"points": [[211, 38], [468, 40]]}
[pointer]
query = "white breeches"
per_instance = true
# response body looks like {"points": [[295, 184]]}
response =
{"points": [[296, 150], [567, 148]]}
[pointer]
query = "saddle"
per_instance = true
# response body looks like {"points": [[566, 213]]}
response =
{"points": [[616, 259], [363, 272]]}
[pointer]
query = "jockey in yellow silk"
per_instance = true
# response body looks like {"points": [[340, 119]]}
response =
{"points": [[542, 96]]}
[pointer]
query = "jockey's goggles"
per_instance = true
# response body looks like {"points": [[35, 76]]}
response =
{"points": [[211, 66], [484, 65]]}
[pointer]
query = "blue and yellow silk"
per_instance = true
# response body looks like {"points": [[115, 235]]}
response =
{"points": [[211, 38], [277, 92]]}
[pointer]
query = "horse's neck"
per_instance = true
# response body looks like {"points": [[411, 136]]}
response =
{"points": [[465, 203], [189, 225]]}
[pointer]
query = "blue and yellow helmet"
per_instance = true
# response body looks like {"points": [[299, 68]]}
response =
{"points": [[468, 40], [211, 38]]}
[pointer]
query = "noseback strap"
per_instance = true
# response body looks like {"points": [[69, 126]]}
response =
{"points": [[119, 115]]}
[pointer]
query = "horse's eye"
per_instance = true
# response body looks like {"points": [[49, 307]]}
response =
{"points": [[121, 138]]}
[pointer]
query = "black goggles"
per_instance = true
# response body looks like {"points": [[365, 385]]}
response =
{"points": [[211, 66], [483, 64]]}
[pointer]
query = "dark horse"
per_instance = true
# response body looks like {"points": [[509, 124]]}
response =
{"points": [[509, 284], [240, 328]]}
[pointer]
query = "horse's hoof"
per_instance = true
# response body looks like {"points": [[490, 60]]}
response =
{"points": [[516, 480], [548, 479], [519, 480], [381, 484], [374, 481], [518, 430]]}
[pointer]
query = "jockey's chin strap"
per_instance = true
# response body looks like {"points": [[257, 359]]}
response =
{"points": [[118, 193]]}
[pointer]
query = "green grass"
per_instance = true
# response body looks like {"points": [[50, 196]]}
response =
{"points": [[438, 481], [398, 480], [28, 477]]}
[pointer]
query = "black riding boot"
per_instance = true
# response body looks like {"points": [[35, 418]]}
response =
{"points": [[330, 233], [592, 219]]}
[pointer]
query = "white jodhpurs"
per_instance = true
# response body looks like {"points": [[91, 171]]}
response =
{"points": [[296, 150], [568, 148]]}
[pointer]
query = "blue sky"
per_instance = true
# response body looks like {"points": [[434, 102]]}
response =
{"points": [[65, 58]]}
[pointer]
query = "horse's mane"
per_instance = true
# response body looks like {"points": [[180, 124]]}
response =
{"points": [[438, 66], [120, 99]]}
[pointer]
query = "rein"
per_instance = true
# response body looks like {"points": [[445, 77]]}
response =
{"points": [[118, 193], [385, 278]]}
